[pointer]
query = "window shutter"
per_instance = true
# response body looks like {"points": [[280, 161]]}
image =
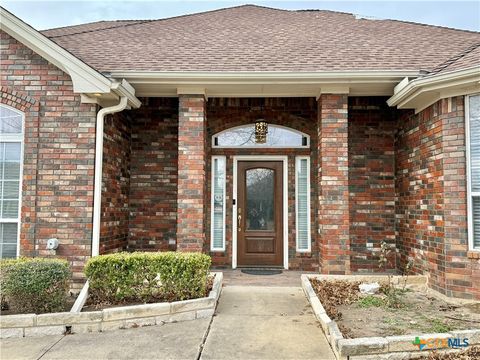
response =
{"points": [[218, 203], [303, 203]]}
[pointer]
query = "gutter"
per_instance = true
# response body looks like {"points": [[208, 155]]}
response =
{"points": [[407, 90], [260, 77], [97, 195], [263, 74], [124, 89]]}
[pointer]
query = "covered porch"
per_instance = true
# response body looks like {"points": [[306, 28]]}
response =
{"points": [[168, 184]]}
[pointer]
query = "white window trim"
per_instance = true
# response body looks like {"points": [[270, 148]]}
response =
{"points": [[309, 224], [212, 248], [282, 158], [17, 138], [470, 193], [307, 146]]}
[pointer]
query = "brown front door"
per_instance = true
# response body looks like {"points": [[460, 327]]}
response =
{"points": [[260, 213]]}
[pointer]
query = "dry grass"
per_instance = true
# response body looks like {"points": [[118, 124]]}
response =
{"points": [[472, 353], [335, 293], [359, 315]]}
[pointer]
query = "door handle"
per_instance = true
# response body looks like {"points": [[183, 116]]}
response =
{"points": [[239, 219]]}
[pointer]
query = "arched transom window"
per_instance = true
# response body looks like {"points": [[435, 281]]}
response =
{"points": [[11, 148], [276, 137]]}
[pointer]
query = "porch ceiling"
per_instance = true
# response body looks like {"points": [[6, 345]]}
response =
{"points": [[265, 84]]}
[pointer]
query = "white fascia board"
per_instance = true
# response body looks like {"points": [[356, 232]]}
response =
{"points": [[123, 88], [85, 79], [271, 77], [248, 84], [401, 85], [406, 96]]}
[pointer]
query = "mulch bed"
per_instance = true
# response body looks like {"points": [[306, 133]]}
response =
{"points": [[96, 304], [358, 315], [332, 294], [335, 293], [472, 353]]}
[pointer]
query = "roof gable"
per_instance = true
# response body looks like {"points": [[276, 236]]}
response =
{"points": [[253, 38]]}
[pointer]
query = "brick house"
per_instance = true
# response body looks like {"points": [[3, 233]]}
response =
{"points": [[264, 137]]}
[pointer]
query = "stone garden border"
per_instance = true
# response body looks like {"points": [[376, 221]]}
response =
{"points": [[379, 348], [75, 321]]}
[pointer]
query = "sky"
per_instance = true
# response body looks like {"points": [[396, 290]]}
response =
{"points": [[49, 14]]}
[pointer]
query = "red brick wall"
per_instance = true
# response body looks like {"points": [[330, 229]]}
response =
{"points": [[297, 113], [371, 163], [420, 194], [333, 191], [191, 192], [431, 198], [115, 183], [153, 183], [140, 180], [57, 196]]}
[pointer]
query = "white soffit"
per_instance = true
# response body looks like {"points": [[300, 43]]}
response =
{"points": [[265, 84]]}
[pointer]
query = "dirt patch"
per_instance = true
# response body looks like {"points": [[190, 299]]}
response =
{"points": [[95, 305], [416, 312]]}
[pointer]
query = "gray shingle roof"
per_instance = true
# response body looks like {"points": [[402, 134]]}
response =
{"points": [[254, 38]]}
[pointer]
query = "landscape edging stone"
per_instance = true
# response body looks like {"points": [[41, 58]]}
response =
{"points": [[25, 325], [389, 347]]}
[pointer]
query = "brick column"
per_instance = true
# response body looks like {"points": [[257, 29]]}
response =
{"points": [[462, 275], [333, 210], [191, 200]]}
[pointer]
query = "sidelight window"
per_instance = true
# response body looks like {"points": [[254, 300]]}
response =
{"points": [[218, 203], [473, 169], [302, 203], [11, 145]]}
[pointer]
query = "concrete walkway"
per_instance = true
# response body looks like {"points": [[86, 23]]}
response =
{"points": [[252, 321], [265, 323], [170, 341]]}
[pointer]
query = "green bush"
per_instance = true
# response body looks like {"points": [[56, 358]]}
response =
{"points": [[35, 285], [147, 277]]}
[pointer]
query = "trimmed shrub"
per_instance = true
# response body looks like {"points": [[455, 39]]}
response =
{"points": [[147, 277], [35, 285]]}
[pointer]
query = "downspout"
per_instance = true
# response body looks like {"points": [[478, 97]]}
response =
{"points": [[97, 195]]}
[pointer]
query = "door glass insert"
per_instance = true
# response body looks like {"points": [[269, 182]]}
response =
{"points": [[260, 199]]}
